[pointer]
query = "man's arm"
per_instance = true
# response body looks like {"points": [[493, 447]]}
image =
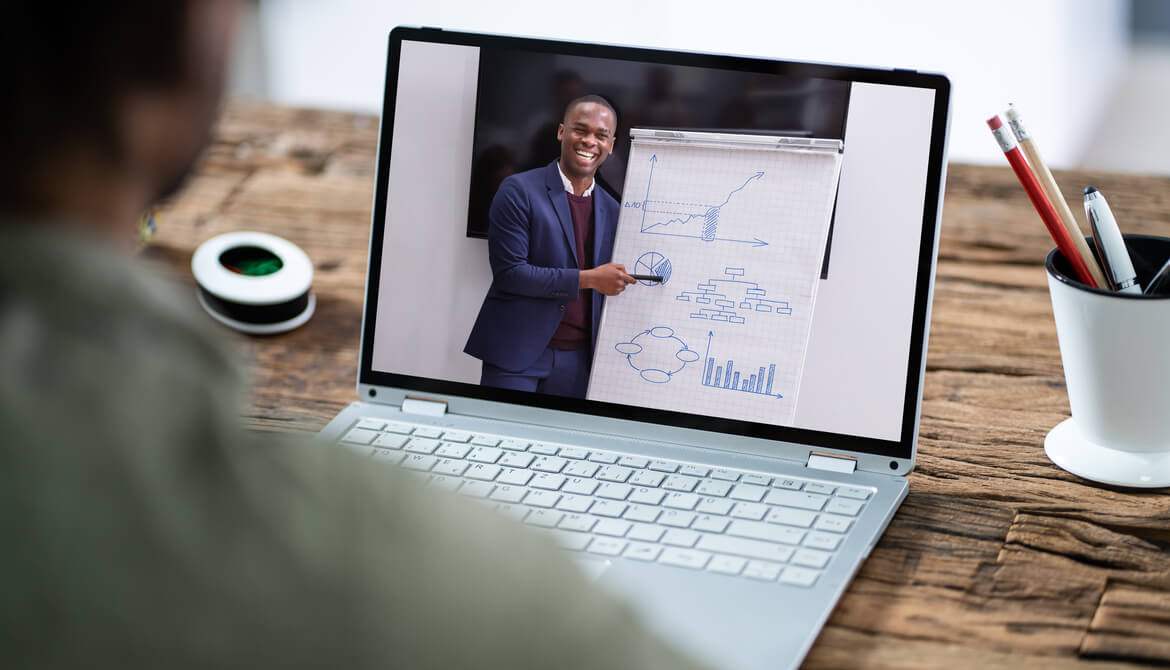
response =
{"points": [[510, 219]]}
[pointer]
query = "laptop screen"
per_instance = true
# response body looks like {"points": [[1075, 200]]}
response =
{"points": [[777, 222]]}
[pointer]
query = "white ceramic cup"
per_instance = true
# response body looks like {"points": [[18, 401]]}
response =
{"points": [[1116, 353]]}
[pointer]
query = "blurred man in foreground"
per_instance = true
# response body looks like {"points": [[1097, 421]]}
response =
{"points": [[140, 526]]}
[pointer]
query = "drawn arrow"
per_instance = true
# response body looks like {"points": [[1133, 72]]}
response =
{"points": [[653, 162]]}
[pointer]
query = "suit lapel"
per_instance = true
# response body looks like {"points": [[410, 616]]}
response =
{"points": [[603, 229], [560, 203]]}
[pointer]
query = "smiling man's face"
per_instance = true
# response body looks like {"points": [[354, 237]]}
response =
{"points": [[586, 137]]}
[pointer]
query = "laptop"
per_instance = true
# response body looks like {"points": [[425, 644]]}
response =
{"points": [[742, 418]]}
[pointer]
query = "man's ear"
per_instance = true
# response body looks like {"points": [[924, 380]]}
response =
{"points": [[560, 131]]}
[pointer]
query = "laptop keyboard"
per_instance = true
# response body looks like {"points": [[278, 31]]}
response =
{"points": [[730, 522]]}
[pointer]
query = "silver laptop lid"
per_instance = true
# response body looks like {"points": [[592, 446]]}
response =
{"points": [[791, 210]]}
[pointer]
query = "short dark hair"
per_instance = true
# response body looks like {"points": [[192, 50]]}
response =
{"points": [[66, 64], [596, 99]]}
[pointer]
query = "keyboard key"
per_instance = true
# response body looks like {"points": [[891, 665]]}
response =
{"points": [[790, 484], [677, 518], [384, 456], [663, 466], [477, 489], [826, 541], [647, 496], [445, 483], [647, 478], [614, 527], [750, 548], [507, 494], [391, 441], [452, 450], [516, 459], [644, 513], [542, 498], [753, 511], [428, 432], [614, 473], [762, 570], [694, 470], [418, 445], [633, 461], [398, 427], [799, 576], [614, 491], [796, 499], [642, 552], [420, 462], [545, 518], [609, 546], [810, 558], [547, 481], [544, 449], [680, 538], [680, 483], [581, 486], [645, 532], [571, 541], [710, 524], [580, 469], [579, 522], [791, 517], [685, 558], [711, 487], [714, 506], [748, 492], [370, 423], [610, 508], [511, 445], [575, 453], [756, 479], [485, 441], [853, 492], [835, 524], [726, 565], [448, 466], [514, 476], [485, 454], [725, 475], [572, 503], [685, 501], [360, 436], [517, 512], [603, 457], [765, 531], [549, 464], [456, 436], [483, 472], [825, 489], [843, 506]]}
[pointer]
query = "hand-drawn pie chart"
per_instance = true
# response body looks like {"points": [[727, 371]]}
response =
{"points": [[652, 263]]}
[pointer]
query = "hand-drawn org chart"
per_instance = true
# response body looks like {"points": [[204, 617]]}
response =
{"points": [[736, 226]]}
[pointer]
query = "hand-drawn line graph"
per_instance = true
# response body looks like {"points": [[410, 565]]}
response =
{"points": [[653, 263], [728, 378], [654, 213], [729, 295], [659, 354]]}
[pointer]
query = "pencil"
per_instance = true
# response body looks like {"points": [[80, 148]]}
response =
{"points": [[1052, 191]]}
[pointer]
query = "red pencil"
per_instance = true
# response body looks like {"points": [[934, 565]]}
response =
{"points": [[1048, 214]]}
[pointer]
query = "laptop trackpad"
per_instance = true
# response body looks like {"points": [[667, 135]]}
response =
{"points": [[592, 567]]}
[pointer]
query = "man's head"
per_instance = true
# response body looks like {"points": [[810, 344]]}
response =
{"points": [[110, 106], [586, 135]]}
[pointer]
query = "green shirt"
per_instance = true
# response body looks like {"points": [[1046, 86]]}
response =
{"points": [[141, 526]]}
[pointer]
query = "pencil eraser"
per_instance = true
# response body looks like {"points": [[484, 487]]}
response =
{"points": [[1012, 113], [995, 123]]}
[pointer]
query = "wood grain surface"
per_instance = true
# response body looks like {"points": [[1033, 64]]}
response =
{"points": [[997, 559]]}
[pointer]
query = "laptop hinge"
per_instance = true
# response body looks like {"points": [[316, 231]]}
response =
{"points": [[832, 462], [424, 406]]}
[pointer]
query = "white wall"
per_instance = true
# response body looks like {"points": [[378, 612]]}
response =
{"points": [[1067, 58]]}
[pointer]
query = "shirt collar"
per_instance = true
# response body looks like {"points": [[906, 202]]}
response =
{"points": [[569, 185]]}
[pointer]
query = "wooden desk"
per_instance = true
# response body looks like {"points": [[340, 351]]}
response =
{"points": [[996, 559]]}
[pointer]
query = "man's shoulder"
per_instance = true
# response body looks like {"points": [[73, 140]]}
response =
{"points": [[528, 179]]}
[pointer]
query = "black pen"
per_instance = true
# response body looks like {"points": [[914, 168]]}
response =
{"points": [[652, 278]]}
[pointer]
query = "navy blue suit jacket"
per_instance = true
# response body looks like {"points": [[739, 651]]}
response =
{"points": [[533, 256]]}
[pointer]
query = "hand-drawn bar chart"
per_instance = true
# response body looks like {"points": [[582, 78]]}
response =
{"points": [[730, 378]]}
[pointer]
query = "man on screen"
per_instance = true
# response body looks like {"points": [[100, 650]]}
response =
{"points": [[550, 240]]}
